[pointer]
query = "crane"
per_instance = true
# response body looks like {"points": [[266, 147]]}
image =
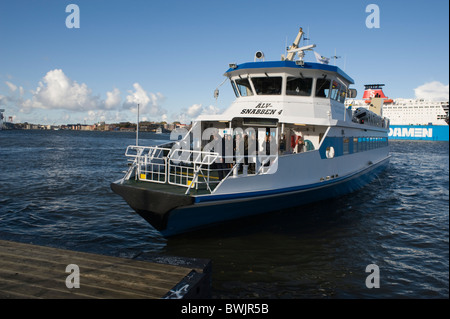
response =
{"points": [[293, 49]]}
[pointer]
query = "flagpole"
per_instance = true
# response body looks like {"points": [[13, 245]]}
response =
{"points": [[137, 127]]}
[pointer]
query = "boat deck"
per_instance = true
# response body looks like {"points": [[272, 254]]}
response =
{"points": [[30, 271], [167, 188]]}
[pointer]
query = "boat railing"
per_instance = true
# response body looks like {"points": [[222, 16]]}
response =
{"points": [[199, 170], [150, 163], [180, 167], [192, 169]]}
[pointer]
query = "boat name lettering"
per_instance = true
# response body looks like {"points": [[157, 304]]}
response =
{"points": [[263, 105], [258, 111], [263, 109]]}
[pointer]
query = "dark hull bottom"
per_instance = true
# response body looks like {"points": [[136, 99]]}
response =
{"points": [[173, 214], [154, 206]]}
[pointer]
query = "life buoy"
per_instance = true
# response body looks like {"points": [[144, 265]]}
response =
{"points": [[294, 140]]}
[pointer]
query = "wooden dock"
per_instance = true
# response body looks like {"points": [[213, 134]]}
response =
{"points": [[31, 271]]}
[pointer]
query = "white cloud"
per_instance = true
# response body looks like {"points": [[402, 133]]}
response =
{"points": [[95, 116], [11, 86], [113, 99], [3, 99], [15, 96], [149, 103], [57, 91], [192, 112], [211, 110], [432, 91]]}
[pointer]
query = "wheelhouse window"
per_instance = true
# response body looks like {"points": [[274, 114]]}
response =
{"points": [[323, 88], [342, 94], [338, 91], [244, 88], [335, 87], [267, 85], [299, 86], [234, 88]]}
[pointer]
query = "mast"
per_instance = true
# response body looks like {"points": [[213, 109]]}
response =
{"points": [[137, 127], [294, 45]]}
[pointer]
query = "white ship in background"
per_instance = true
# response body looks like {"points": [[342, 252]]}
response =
{"points": [[411, 119]]}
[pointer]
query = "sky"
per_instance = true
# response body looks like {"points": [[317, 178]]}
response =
{"points": [[169, 56]]}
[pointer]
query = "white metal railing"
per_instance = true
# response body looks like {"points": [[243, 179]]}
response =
{"points": [[150, 163], [192, 169], [189, 168]]}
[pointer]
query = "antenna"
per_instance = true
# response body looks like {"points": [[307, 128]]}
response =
{"points": [[335, 57], [286, 47], [307, 38]]}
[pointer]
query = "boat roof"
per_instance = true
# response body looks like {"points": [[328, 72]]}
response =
{"points": [[290, 64]]}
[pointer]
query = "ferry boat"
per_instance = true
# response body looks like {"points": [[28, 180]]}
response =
{"points": [[286, 140], [410, 119]]}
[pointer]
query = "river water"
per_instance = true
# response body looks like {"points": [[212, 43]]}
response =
{"points": [[54, 191]]}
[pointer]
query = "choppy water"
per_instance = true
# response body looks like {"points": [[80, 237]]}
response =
{"points": [[54, 190]]}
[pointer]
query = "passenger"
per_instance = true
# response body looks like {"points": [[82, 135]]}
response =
{"points": [[272, 145], [239, 149], [293, 141], [245, 149], [228, 150], [297, 143], [268, 141], [300, 143], [219, 147], [283, 144], [252, 153]]}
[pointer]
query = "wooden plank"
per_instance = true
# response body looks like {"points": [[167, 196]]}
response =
{"points": [[30, 271]]}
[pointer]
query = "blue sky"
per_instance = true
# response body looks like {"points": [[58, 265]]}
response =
{"points": [[171, 55]]}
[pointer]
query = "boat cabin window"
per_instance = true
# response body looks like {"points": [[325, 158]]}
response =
{"points": [[342, 94], [243, 86], [259, 122], [267, 85], [323, 88], [335, 87], [234, 88], [299, 86]]}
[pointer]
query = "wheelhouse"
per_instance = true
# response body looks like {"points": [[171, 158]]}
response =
{"points": [[285, 78]]}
